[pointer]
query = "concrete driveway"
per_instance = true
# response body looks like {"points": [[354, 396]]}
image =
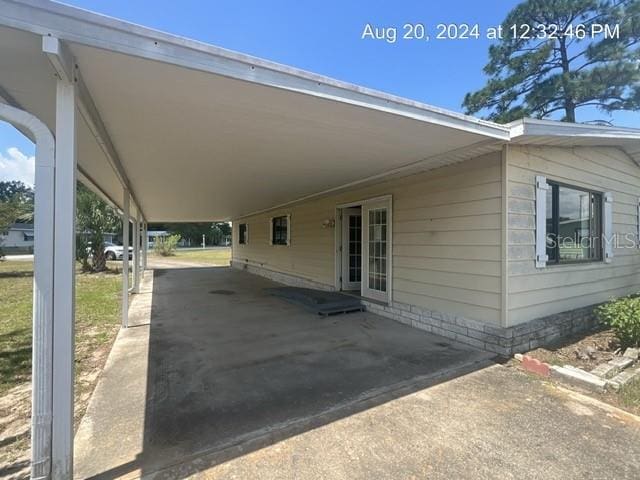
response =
{"points": [[219, 380]]}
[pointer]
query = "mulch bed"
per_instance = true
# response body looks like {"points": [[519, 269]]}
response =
{"points": [[585, 350]]}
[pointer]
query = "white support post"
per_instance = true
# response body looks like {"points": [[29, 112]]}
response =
{"points": [[125, 259], [145, 246], [136, 254], [64, 280], [42, 368]]}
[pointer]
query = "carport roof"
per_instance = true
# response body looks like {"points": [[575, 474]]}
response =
{"points": [[201, 133]]}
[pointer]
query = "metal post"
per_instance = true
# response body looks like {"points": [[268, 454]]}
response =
{"points": [[42, 371], [64, 280], [125, 259], [145, 246], [136, 254]]}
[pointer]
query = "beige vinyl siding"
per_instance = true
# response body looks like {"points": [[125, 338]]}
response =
{"points": [[535, 292], [446, 238]]}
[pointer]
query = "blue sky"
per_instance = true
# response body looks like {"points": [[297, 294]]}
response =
{"points": [[325, 37]]}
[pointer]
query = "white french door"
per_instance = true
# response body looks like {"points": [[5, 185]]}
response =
{"points": [[376, 250]]}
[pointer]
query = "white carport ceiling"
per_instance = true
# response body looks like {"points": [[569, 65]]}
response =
{"points": [[198, 145]]}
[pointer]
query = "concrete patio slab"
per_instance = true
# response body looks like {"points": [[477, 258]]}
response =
{"points": [[212, 363]]}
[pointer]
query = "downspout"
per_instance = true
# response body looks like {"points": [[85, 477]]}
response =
{"points": [[42, 359], [504, 237]]}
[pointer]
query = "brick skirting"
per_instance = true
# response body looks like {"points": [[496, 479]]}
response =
{"points": [[500, 340]]}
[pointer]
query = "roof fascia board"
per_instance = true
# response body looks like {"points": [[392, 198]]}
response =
{"points": [[531, 127], [87, 28], [520, 129]]}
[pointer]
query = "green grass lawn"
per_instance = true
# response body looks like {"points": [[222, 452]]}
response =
{"points": [[16, 280], [97, 320], [214, 256], [97, 323], [630, 397]]}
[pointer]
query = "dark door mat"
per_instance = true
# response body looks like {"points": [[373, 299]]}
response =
{"points": [[318, 301]]}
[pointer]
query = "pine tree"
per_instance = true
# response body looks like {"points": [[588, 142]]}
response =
{"points": [[537, 77]]}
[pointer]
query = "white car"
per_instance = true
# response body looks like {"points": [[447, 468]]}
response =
{"points": [[115, 252]]}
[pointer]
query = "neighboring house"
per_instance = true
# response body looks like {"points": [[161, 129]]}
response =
{"points": [[108, 237], [454, 250], [18, 239], [111, 238], [153, 235]]}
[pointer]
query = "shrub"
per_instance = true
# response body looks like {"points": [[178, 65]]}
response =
{"points": [[623, 316], [166, 246], [83, 252]]}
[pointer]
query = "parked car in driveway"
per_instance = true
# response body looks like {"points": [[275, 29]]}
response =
{"points": [[115, 252]]}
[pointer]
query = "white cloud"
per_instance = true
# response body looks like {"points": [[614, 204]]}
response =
{"points": [[15, 165]]}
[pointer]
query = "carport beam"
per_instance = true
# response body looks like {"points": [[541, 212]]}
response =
{"points": [[125, 258]]}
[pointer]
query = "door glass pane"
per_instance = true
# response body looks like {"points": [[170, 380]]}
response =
{"points": [[378, 249], [355, 247]]}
